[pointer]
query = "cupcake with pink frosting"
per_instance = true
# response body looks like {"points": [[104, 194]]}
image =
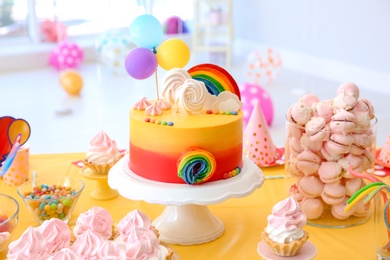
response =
{"points": [[284, 234], [102, 154]]}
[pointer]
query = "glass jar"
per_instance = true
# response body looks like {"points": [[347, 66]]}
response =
{"points": [[317, 175], [382, 225]]}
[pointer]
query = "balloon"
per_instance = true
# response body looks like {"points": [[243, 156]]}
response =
{"points": [[146, 31], [5, 145], [53, 31], [140, 63], [71, 81], [262, 69], [173, 53], [19, 127], [66, 55], [250, 94], [112, 49]]}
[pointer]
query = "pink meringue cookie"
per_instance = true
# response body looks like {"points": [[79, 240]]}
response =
{"points": [[142, 104], [64, 254], [339, 143], [57, 234], [353, 185], [313, 208], [330, 156], [291, 166], [369, 107], [111, 250], [294, 192], [368, 160], [323, 109], [164, 105], [316, 129], [299, 113], [344, 102], [333, 193], [338, 210], [348, 88], [350, 160], [306, 143], [361, 209], [96, 219], [309, 99], [329, 172], [141, 244], [133, 219], [153, 110], [308, 162], [295, 146], [310, 186], [361, 142], [87, 244], [342, 122], [31, 245]]}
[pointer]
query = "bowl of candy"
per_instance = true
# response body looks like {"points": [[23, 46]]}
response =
{"points": [[9, 213], [51, 197]]}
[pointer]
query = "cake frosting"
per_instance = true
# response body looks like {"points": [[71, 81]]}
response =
{"points": [[205, 119], [95, 236], [324, 139]]}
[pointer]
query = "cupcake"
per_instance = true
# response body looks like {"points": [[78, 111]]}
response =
{"points": [[284, 234], [103, 153]]}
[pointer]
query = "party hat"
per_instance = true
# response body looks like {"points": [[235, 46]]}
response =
{"points": [[383, 158], [258, 144]]}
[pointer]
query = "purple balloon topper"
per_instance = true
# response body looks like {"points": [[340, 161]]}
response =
{"points": [[141, 63]]}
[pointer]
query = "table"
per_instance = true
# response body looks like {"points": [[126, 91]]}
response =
{"points": [[244, 218]]}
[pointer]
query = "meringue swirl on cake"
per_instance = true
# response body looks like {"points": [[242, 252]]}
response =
{"points": [[191, 96], [173, 79]]}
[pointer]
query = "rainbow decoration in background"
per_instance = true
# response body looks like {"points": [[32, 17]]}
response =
{"points": [[216, 78], [196, 165]]}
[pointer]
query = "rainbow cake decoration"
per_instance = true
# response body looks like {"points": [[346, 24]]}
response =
{"points": [[193, 133], [216, 78]]}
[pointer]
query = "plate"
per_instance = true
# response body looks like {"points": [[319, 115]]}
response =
{"points": [[381, 169], [308, 251]]}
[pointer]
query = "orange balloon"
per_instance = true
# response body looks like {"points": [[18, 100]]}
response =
{"points": [[71, 81]]}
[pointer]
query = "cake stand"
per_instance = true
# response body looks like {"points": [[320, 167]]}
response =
{"points": [[101, 191], [186, 219]]}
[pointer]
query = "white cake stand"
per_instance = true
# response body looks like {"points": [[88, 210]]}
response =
{"points": [[186, 219]]}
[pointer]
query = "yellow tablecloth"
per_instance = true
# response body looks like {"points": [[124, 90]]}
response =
{"points": [[244, 218]]}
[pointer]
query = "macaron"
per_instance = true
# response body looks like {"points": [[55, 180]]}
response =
{"points": [[330, 172], [339, 143], [310, 186], [306, 143], [295, 131], [299, 113], [333, 193], [308, 162], [313, 208], [367, 160], [353, 185], [342, 122], [370, 108], [338, 210], [317, 129], [350, 160], [361, 209], [329, 156], [291, 167], [360, 142], [294, 146]]}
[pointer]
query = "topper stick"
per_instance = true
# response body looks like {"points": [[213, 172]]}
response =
{"points": [[158, 96]]}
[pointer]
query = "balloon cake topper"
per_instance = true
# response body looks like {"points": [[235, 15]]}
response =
{"points": [[13, 134]]}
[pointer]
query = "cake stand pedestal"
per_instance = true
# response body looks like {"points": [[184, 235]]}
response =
{"points": [[101, 191], [186, 219]]}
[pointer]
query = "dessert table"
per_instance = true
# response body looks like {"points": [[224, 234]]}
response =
{"points": [[244, 218]]}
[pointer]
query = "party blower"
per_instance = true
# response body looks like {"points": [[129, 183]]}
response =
{"points": [[13, 134]]}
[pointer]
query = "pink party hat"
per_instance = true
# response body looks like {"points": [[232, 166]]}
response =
{"points": [[258, 145], [383, 158]]}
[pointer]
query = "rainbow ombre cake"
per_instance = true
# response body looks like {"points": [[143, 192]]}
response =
{"points": [[191, 135]]}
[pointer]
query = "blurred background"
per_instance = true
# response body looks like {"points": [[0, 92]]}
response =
{"points": [[284, 48]]}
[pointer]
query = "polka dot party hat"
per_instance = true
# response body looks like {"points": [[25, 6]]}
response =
{"points": [[258, 144], [384, 154]]}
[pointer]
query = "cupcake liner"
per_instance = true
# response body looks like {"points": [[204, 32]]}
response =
{"points": [[288, 249], [100, 169]]}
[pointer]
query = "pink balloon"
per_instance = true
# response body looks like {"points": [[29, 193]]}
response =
{"points": [[250, 94], [66, 55]]}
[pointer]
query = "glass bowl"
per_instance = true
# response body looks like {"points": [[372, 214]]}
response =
{"points": [[51, 197], [9, 213]]}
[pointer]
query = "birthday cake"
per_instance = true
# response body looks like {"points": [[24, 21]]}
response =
{"points": [[194, 133]]}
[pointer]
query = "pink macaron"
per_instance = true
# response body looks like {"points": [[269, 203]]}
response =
{"points": [[339, 143], [338, 210], [368, 160], [299, 113], [309, 99], [323, 109], [333, 193], [291, 167], [344, 101], [306, 143], [294, 146], [310, 186], [308, 162], [342, 122], [353, 185], [328, 155], [350, 160], [348, 88], [294, 192], [361, 209], [317, 129], [330, 172], [313, 208]]}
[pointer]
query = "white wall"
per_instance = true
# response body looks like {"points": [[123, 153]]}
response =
{"points": [[330, 38]]}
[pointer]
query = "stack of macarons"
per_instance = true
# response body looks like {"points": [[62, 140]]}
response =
{"points": [[324, 139]]}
